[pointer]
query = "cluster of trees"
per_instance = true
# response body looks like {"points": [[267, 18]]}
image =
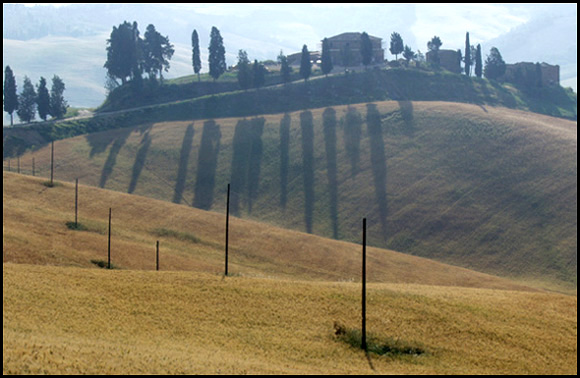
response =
{"points": [[129, 55], [32, 100]]}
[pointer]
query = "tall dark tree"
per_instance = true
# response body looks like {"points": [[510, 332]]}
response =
{"points": [[157, 52], [258, 74], [123, 52], [409, 54], [396, 44], [326, 58], [195, 55], [217, 54], [366, 49], [285, 69], [244, 70], [58, 104], [27, 102], [467, 59], [10, 95], [305, 64], [478, 62], [494, 65], [42, 99]]}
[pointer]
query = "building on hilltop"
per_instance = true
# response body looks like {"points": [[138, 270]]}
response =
{"points": [[532, 74], [345, 50], [448, 59], [294, 59]]}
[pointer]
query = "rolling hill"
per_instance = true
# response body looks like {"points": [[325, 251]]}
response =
{"points": [[486, 188], [273, 315]]}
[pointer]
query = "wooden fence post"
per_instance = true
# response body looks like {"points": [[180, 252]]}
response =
{"points": [[227, 228], [51, 163], [364, 285], [109, 247], [76, 203], [157, 256]]}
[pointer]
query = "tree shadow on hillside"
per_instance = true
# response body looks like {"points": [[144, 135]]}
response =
{"points": [[352, 136], [206, 165], [182, 164], [378, 163], [307, 127], [246, 162], [406, 109], [119, 138], [139, 163], [329, 127], [284, 158]]}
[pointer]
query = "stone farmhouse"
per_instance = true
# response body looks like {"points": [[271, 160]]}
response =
{"points": [[448, 59], [532, 74], [345, 51]]}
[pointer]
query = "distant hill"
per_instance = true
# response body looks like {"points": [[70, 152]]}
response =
{"points": [[487, 188]]}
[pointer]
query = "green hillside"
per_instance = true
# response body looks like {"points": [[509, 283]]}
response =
{"points": [[481, 187]]}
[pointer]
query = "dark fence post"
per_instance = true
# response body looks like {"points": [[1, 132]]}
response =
{"points": [[157, 258], [364, 286], [227, 228], [109, 248], [33, 167], [76, 202], [51, 163]]}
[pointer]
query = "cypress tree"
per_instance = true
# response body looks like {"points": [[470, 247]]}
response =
{"points": [[326, 58], [42, 99], [305, 65], [478, 62], [195, 55], [217, 54], [27, 102], [10, 96], [467, 55]]}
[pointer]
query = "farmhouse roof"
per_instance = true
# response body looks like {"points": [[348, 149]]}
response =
{"points": [[352, 36]]}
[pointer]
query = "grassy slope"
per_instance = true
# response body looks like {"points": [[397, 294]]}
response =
{"points": [[487, 188], [77, 320], [88, 321], [35, 232]]}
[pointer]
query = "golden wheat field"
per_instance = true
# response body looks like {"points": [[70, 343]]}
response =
{"points": [[274, 314]]}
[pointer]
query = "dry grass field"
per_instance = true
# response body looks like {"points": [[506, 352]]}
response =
{"points": [[35, 232], [273, 315], [64, 320]]}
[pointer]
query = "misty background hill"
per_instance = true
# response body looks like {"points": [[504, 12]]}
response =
{"points": [[70, 41]]}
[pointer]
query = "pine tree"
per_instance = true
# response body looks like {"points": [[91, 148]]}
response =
{"points": [[27, 102], [58, 104], [326, 64], [217, 54], [157, 52], [195, 56], [42, 99], [494, 65], [396, 45], [305, 65], [10, 95], [408, 54]]}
